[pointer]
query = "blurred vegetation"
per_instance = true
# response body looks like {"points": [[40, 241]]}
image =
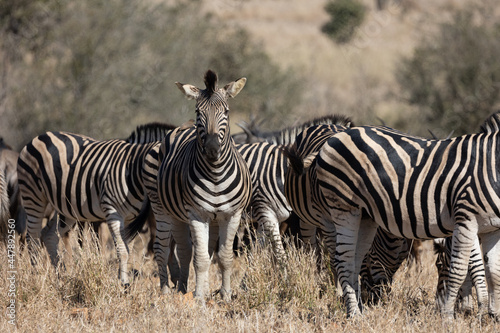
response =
{"points": [[103, 67], [346, 17], [453, 77]]}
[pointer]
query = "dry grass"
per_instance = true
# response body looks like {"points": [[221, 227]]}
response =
{"points": [[87, 297]]}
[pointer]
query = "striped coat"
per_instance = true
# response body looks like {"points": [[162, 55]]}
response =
{"points": [[199, 185], [413, 188]]}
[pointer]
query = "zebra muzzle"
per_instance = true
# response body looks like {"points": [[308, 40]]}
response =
{"points": [[211, 147]]}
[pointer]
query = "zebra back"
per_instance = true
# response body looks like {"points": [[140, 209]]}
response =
{"points": [[286, 136], [148, 133]]}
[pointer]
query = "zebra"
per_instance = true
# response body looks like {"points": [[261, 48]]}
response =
{"points": [[412, 188], [268, 165], [4, 207], [285, 136], [302, 191], [82, 179], [8, 165], [199, 185], [442, 248], [143, 134]]}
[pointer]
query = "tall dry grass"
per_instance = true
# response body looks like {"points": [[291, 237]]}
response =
{"points": [[86, 296]]}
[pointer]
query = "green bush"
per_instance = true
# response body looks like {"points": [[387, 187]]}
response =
{"points": [[453, 78], [346, 17], [102, 68]]}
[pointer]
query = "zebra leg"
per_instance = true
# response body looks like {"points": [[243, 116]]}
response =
{"points": [[116, 227], [270, 224], [200, 237], [330, 240], [491, 249], [227, 232], [308, 234], [34, 215], [476, 274], [173, 263], [162, 248], [353, 242], [464, 237], [50, 238], [184, 247]]}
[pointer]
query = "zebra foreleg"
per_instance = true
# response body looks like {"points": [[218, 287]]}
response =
{"points": [[270, 225], [50, 238], [35, 216], [200, 236], [184, 247], [163, 248], [227, 232], [330, 240], [491, 249]]}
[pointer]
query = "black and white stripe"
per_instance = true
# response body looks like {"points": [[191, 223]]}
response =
{"points": [[302, 190], [82, 179], [412, 188], [199, 186]]}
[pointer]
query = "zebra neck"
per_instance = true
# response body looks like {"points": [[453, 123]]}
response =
{"points": [[218, 166]]}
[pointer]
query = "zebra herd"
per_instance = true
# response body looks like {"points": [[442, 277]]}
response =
{"points": [[367, 190]]}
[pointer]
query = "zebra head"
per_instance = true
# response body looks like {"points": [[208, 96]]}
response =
{"points": [[212, 120]]}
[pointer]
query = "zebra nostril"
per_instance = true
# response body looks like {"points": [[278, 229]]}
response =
{"points": [[212, 147]]}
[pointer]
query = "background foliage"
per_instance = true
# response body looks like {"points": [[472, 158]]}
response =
{"points": [[453, 77], [103, 67], [346, 17]]}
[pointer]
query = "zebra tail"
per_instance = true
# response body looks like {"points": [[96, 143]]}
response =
{"points": [[439, 245], [133, 228], [294, 158]]}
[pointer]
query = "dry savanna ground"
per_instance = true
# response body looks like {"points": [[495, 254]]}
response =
{"points": [[86, 296]]}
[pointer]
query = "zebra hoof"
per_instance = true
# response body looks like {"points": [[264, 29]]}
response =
{"points": [[126, 288]]}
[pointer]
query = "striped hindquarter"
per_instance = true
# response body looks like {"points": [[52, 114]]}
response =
{"points": [[82, 179], [442, 248], [413, 188], [308, 202], [202, 187], [475, 275]]}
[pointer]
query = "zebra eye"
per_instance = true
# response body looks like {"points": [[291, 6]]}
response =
{"points": [[226, 111]]}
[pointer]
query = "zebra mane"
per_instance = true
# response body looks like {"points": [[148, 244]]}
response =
{"points": [[491, 124], [287, 135], [210, 82], [150, 132], [302, 153]]}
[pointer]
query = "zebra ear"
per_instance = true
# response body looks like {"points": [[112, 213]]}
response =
{"points": [[234, 88], [190, 91]]}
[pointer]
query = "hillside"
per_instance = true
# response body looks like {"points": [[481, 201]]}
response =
{"points": [[356, 79]]}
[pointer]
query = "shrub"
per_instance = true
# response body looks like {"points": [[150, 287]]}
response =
{"points": [[453, 78], [346, 16], [101, 68]]}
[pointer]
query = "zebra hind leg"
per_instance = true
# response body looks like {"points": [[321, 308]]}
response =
{"points": [[491, 248], [463, 242], [116, 227], [354, 238]]}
